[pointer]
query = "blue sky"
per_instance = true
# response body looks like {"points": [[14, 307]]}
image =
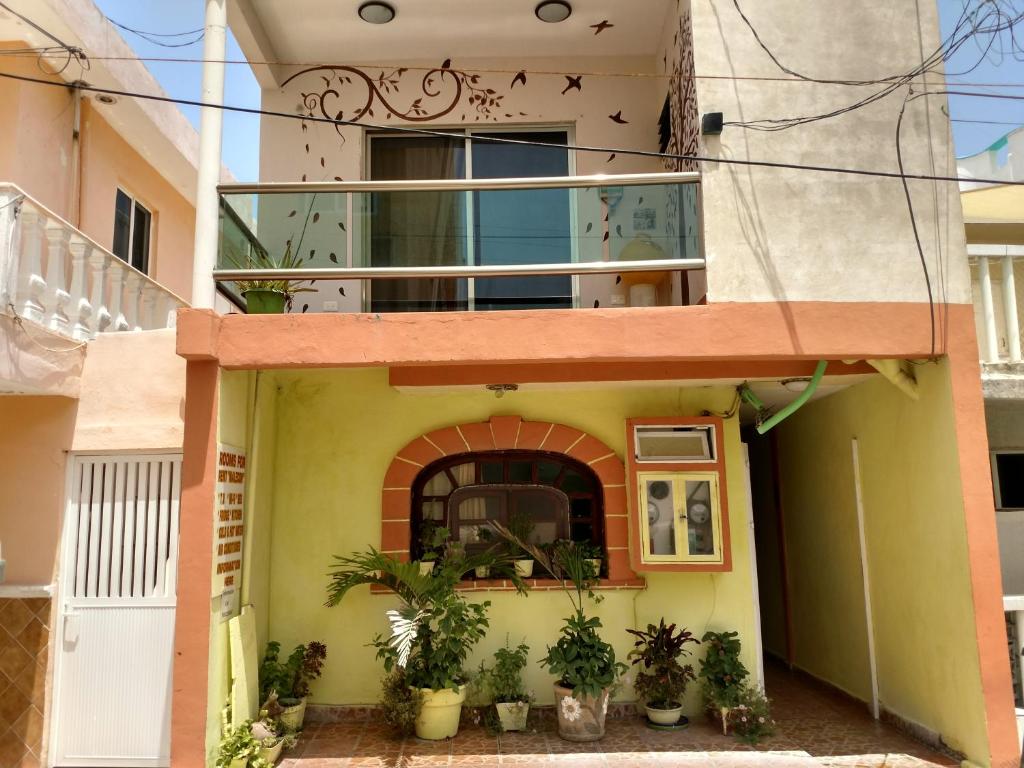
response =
{"points": [[241, 132]]}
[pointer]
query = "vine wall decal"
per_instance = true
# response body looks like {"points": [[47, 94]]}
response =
{"points": [[683, 99], [442, 90]]}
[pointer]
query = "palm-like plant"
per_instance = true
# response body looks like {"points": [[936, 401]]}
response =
{"points": [[435, 628]]}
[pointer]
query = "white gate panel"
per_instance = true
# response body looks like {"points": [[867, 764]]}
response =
{"points": [[112, 690]]}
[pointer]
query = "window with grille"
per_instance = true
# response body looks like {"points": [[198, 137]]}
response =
{"points": [[561, 498]]}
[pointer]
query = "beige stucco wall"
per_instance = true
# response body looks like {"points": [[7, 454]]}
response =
{"points": [[36, 154], [773, 234], [130, 399]]}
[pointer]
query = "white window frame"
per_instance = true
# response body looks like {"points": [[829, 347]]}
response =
{"points": [[136, 202], [570, 136], [995, 475]]}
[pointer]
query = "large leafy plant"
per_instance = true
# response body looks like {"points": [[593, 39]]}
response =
{"points": [[722, 674], [435, 628], [662, 679]]}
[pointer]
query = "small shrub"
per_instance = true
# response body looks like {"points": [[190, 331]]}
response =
{"points": [[751, 719], [722, 674], [400, 703]]}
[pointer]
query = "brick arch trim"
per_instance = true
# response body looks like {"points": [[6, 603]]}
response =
{"points": [[503, 433]]}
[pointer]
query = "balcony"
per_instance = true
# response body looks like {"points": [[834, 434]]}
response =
{"points": [[55, 277], [480, 245], [997, 273]]}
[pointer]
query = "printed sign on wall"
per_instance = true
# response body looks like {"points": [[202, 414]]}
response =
{"points": [[229, 527]]}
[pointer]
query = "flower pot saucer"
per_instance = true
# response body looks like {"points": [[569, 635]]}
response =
{"points": [[684, 722]]}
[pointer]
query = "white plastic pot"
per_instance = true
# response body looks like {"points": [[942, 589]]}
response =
{"points": [[524, 568], [291, 718], [512, 714], [426, 567], [482, 571], [595, 563], [270, 754], [439, 717], [664, 716]]}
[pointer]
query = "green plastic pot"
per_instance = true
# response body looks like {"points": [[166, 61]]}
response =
{"points": [[264, 302]]}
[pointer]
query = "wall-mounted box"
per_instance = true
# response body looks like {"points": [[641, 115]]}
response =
{"points": [[677, 495]]}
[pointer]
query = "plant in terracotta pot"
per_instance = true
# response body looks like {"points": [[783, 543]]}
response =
{"points": [[503, 682], [583, 664], [284, 685], [433, 630], [662, 680], [722, 675]]}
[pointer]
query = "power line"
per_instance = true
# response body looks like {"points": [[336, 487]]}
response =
{"points": [[158, 38], [492, 139]]}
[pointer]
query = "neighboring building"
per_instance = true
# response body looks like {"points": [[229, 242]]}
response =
{"points": [[994, 222], [372, 411], [97, 221]]}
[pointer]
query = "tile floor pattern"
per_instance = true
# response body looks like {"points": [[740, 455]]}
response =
{"points": [[24, 638], [816, 728]]}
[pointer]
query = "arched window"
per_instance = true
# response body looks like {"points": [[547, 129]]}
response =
{"points": [[550, 494]]}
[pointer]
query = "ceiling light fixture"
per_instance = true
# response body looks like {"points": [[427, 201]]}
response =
{"points": [[553, 11], [796, 385], [105, 98], [499, 390], [376, 12]]}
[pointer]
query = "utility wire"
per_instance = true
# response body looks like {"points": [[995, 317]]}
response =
{"points": [[73, 52], [159, 38], [492, 139]]}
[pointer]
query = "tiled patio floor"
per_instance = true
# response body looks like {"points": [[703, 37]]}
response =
{"points": [[815, 728]]}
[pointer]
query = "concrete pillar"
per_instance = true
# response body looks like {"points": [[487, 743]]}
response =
{"points": [[210, 125], [1010, 309], [988, 312]]}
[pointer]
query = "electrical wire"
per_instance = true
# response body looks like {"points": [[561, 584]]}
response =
{"points": [[73, 51], [154, 38], [492, 139]]}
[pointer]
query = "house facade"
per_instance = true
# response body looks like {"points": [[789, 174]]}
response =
{"points": [[97, 212], [995, 239], [554, 263]]}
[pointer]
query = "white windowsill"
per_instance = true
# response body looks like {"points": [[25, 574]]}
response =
{"points": [[25, 591], [1013, 602]]}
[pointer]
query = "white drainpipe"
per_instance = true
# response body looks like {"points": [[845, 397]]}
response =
{"points": [[210, 124]]}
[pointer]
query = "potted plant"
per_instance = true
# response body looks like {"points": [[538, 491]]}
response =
{"points": [[238, 747], [662, 680], [284, 686], [433, 539], [271, 736], [268, 297], [751, 718], [593, 555], [400, 703], [584, 666], [722, 675], [520, 526], [504, 684], [432, 632]]}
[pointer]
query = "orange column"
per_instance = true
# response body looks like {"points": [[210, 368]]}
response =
{"points": [[982, 541], [195, 564]]}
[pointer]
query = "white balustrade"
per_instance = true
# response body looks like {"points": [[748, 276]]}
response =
{"points": [[57, 277], [999, 322]]}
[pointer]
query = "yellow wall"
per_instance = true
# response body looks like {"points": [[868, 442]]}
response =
{"points": [[917, 559], [337, 432]]}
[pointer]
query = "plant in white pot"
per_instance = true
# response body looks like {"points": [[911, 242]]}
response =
{"points": [[433, 630], [284, 685], [503, 682], [662, 680], [520, 528], [433, 539], [238, 747]]}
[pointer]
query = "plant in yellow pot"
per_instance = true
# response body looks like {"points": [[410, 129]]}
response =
{"points": [[432, 632]]}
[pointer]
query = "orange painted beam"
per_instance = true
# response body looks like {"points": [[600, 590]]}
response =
{"points": [[539, 373], [715, 332]]}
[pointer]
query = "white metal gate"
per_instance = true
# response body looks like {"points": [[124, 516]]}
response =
{"points": [[112, 684]]}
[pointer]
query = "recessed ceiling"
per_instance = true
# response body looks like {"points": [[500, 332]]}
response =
{"points": [[330, 31]]}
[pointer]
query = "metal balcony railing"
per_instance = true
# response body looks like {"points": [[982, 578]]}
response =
{"points": [[58, 278], [998, 272], [476, 244]]}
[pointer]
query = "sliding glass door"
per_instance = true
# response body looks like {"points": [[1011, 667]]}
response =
{"points": [[495, 227]]}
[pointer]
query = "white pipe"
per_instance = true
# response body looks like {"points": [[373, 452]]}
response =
{"points": [[868, 619], [1010, 309], [210, 127], [991, 353]]}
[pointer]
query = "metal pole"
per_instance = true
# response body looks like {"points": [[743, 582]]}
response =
{"points": [[210, 125]]}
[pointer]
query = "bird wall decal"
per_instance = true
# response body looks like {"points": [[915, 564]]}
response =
{"points": [[574, 83], [519, 78], [618, 118], [601, 26]]}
